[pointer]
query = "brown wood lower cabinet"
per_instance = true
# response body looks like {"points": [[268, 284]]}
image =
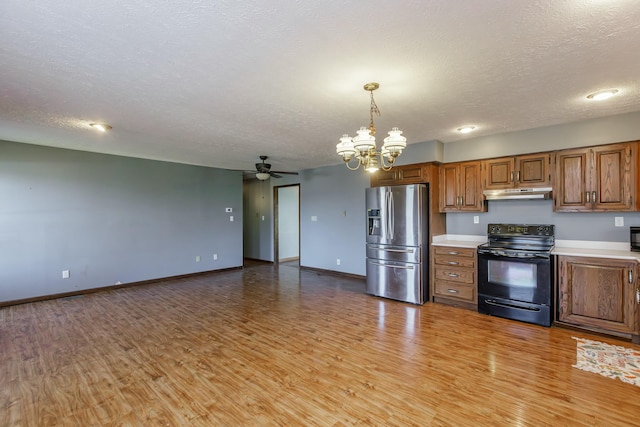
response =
{"points": [[598, 294], [455, 276]]}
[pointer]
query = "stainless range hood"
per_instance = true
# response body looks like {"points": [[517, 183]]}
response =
{"points": [[518, 193]]}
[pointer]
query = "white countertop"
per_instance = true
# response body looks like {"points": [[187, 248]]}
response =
{"points": [[585, 248], [458, 240], [588, 248]]}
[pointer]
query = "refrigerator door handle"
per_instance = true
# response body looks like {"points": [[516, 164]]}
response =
{"points": [[404, 267], [385, 223], [391, 215], [402, 251]]}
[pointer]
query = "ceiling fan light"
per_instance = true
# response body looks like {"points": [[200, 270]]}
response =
{"points": [[262, 176]]}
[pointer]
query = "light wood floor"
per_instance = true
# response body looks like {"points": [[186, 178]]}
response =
{"points": [[276, 346]]}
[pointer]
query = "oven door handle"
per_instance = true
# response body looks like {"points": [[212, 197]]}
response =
{"points": [[501, 304]]}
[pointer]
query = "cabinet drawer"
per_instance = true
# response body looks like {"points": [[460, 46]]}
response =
{"points": [[455, 275], [455, 262], [455, 290], [452, 251]]}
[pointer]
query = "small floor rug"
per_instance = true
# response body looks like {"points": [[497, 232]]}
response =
{"points": [[611, 361]]}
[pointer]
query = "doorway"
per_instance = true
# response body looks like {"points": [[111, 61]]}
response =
{"points": [[286, 202]]}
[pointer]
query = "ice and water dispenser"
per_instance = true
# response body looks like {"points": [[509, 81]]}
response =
{"points": [[373, 218]]}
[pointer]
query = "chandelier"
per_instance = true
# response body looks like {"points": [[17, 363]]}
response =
{"points": [[363, 146]]}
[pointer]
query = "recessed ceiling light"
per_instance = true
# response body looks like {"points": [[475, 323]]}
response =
{"points": [[466, 129], [102, 127], [602, 94]]}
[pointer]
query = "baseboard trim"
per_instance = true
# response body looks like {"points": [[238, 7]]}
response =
{"points": [[110, 287], [333, 273], [293, 258]]}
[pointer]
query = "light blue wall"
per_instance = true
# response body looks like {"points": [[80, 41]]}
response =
{"points": [[109, 219], [335, 196], [258, 219], [569, 225], [112, 219], [604, 130]]}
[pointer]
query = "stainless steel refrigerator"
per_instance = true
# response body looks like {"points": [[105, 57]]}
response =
{"points": [[398, 242]]}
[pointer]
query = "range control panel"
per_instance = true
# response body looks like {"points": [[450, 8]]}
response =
{"points": [[520, 230]]}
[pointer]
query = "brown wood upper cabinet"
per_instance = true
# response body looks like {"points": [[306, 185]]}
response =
{"points": [[400, 175], [461, 187], [594, 179], [532, 170], [598, 294]]}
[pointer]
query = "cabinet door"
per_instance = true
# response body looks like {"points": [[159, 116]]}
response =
{"points": [[499, 173], [571, 179], [597, 293], [412, 174], [471, 187], [611, 178], [381, 178], [449, 187], [533, 170]]}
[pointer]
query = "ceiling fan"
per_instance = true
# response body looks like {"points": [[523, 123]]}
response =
{"points": [[264, 172]]}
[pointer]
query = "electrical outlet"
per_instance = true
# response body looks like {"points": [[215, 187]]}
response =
{"points": [[476, 219], [619, 221], [314, 218], [197, 258], [65, 274], [215, 257], [338, 261]]}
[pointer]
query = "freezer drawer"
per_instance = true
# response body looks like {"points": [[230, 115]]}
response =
{"points": [[394, 253], [395, 280]]}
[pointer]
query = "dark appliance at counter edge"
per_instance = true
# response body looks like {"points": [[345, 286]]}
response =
{"points": [[515, 273]]}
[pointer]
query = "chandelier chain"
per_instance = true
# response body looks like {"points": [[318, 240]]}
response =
{"points": [[373, 110]]}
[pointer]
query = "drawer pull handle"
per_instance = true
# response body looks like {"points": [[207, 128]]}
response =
{"points": [[452, 275], [452, 253], [452, 291], [453, 263]]}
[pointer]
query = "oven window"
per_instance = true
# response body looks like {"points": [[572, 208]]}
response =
{"points": [[513, 274]]}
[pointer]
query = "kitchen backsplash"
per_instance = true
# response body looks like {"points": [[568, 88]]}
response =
{"points": [[569, 226]]}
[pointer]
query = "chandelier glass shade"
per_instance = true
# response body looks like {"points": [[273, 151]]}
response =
{"points": [[361, 150]]}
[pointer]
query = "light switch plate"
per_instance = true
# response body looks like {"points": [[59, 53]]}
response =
{"points": [[476, 219], [619, 221]]}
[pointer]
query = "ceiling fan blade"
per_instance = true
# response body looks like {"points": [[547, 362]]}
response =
{"points": [[285, 173], [275, 175]]}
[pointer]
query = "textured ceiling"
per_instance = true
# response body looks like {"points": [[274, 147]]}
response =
{"points": [[219, 83]]}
